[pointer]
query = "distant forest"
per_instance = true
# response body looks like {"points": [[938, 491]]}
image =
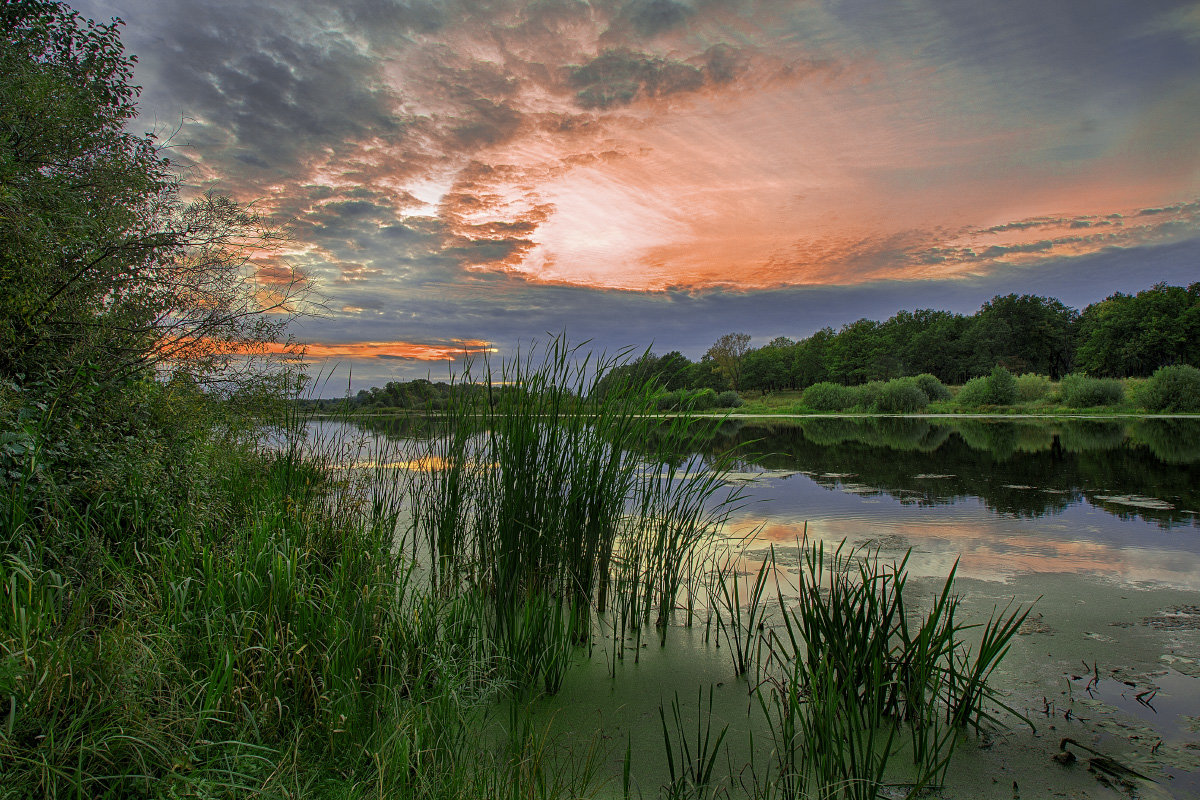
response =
{"points": [[1122, 336]]}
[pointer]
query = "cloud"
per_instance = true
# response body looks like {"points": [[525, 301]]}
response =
{"points": [[488, 171], [403, 351]]}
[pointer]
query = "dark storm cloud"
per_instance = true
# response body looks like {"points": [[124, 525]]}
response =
{"points": [[260, 78], [652, 17], [619, 76]]}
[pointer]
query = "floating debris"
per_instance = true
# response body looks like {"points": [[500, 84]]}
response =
{"points": [[1175, 618], [1019, 486], [838, 474], [1136, 501], [859, 489], [1034, 624], [930, 476]]}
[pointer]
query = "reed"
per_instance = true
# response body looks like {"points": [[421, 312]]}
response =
{"points": [[691, 761], [852, 672], [539, 495]]}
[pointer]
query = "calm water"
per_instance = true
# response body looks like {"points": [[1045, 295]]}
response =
{"points": [[1116, 499], [1096, 521]]}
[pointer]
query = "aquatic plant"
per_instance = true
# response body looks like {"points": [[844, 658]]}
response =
{"points": [[540, 495], [690, 761], [849, 673]]}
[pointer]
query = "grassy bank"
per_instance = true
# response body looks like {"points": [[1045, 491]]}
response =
{"points": [[218, 610]]}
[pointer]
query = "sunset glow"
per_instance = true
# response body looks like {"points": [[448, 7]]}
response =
{"points": [[493, 173]]}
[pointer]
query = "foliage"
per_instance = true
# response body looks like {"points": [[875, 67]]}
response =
{"points": [[1024, 332], [933, 388], [827, 396], [866, 396], [1174, 388], [106, 269], [1031, 386], [727, 354], [901, 396], [1080, 391], [997, 389], [1133, 335], [728, 400]]}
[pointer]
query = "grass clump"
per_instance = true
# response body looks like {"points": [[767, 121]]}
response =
{"points": [[545, 499], [1173, 388], [1080, 391], [853, 672]]}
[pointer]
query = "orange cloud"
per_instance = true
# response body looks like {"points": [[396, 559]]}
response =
{"points": [[410, 351]]}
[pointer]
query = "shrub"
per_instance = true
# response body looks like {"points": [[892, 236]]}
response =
{"points": [[901, 396], [1172, 388], [699, 400], [933, 388], [827, 396], [1032, 386], [667, 401], [867, 395], [728, 400], [1080, 391], [973, 393], [997, 389], [1002, 386]]}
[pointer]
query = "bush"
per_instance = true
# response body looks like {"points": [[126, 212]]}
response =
{"points": [[667, 401], [1080, 391], [699, 400], [933, 388], [901, 396], [997, 389], [1032, 386], [728, 400], [973, 393], [827, 396], [867, 395], [1172, 388], [1002, 386]]}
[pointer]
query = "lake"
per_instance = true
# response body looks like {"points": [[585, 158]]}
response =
{"points": [[1094, 521]]}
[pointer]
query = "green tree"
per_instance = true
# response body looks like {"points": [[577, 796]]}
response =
{"points": [[1025, 333], [727, 354], [1133, 335], [104, 269], [673, 370]]}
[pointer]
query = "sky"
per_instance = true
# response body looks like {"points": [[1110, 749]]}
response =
{"points": [[475, 176]]}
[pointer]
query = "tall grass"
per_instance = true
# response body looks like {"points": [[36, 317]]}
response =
{"points": [[270, 640], [852, 673], [550, 499]]}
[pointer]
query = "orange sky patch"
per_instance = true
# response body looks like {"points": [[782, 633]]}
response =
{"points": [[413, 351]]}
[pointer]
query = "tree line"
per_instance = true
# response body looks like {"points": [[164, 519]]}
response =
{"points": [[1122, 336]]}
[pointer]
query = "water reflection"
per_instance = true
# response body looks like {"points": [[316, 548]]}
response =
{"points": [[1148, 470], [1109, 498]]}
